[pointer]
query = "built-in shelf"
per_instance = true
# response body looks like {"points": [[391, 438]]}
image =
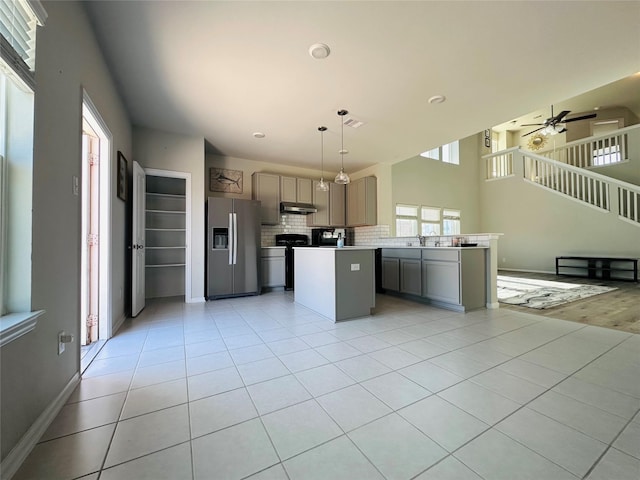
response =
{"points": [[166, 230], [182, 212], [166, 265]]}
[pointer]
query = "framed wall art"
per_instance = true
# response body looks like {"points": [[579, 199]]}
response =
{"points": [[224, 180], [122, 183]]}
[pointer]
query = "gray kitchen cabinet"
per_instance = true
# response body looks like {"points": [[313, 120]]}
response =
{"points": [[401, 270], [273, 267], [297, 190], [362, 202], [456, 277], [330, 206], [336, 205], [321, 202], [288, 189], [411, 276], [391, 274], [441, 281], [304, 190], [266, 188]]}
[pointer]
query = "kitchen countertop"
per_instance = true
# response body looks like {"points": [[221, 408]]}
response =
{"points": [[356, 247], [433, 248], [274, 247]]}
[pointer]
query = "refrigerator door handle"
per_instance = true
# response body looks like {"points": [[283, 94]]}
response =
{"points": [[235, 238], [231, 237]]}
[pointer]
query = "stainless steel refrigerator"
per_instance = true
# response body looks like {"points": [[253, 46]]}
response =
{"points": [[233, 247]]}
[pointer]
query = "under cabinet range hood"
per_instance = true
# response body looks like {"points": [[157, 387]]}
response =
{"points": [[297, 208]]}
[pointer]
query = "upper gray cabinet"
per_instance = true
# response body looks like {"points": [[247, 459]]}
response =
{"points": [[266, 188], [362, 202], [297, 190], [330, 205]]}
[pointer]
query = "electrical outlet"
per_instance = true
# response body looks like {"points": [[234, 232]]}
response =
{"points": [[61, 344], [63, 339], [355, 267]]}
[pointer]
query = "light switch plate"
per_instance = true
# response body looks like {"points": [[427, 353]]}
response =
{"points": [[355, 267]]}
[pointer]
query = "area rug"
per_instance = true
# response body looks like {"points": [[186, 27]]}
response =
{"points": [[541, 294]]}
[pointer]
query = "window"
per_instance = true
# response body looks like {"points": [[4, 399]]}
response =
{"points": [[449, 153], [18, 21], [451, 222], [406, 220], [430, 221]]}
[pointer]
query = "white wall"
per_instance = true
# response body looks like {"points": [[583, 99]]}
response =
{"points": [[180, 153], [68, 58]]}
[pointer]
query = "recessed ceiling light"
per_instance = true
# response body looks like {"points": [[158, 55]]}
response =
{"points": [[258, 135], [437, 99], [319, 51], [596, 108]]}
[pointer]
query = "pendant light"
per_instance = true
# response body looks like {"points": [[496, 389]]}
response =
{"points": [[342, 178], [322, 185]]}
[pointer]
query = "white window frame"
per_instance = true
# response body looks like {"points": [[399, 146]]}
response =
{"points": [[451, 217], [420, 220], [19, 19], [448, 153]]}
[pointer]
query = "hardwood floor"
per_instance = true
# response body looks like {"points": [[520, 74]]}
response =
{"points": [[619, 309]]}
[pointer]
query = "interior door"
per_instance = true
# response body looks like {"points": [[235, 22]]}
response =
{"points": [[138, 240]]}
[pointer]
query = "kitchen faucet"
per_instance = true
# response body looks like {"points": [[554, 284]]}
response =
{"points": [[422, 240]]}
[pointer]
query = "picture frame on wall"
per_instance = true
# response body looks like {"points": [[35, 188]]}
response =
{"points": [[121, 185], [225, 180]]}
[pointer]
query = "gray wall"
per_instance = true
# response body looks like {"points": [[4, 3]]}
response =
{"points": [[421, 181], [539, 225], [68, 58]]}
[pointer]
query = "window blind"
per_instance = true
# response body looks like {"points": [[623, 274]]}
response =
{"points": [[18, 22]]}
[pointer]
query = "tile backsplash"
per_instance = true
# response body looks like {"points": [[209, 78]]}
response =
{"points": [[288, 224]]}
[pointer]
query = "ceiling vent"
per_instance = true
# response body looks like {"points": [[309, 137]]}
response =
{"points": [[353, 123]]}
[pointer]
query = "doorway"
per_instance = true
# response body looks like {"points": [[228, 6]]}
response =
{"points": [[95, 287]]}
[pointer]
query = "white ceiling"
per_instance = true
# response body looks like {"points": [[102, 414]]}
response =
{"points": [[223, 70]]}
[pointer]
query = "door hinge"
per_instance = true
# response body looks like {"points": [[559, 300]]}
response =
{"points": [[94, 159], [92, 320], [92, 239]]}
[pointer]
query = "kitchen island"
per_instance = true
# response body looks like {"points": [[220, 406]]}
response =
{"points": [[338, 283]]}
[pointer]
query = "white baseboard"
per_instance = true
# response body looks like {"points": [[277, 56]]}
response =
{"points": [[195, 300], [21, 451], [118, 324], [524, 271], [493, 306]]}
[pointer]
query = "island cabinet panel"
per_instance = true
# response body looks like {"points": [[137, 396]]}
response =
{"points": [[410, 276], [441, 281], [362, 202], [391, 274], [266, 188]]}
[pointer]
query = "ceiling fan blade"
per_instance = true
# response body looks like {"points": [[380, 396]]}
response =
{"points": [[531, 124], [583, 117], [533, 131], [560, 116]]}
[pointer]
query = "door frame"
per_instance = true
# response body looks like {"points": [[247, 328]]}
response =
{"points": [[187, 253], [89, 110]]}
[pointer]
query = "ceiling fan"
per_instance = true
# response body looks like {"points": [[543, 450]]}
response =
{"points": [[555, 123]]}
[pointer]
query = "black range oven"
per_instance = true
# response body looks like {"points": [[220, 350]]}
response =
{"points": [[290, 240]]}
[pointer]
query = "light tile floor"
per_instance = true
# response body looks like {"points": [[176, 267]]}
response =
{"points": [[262, 388]]}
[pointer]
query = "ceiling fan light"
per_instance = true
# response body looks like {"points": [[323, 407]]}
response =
{"points": [[342, 178]]}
